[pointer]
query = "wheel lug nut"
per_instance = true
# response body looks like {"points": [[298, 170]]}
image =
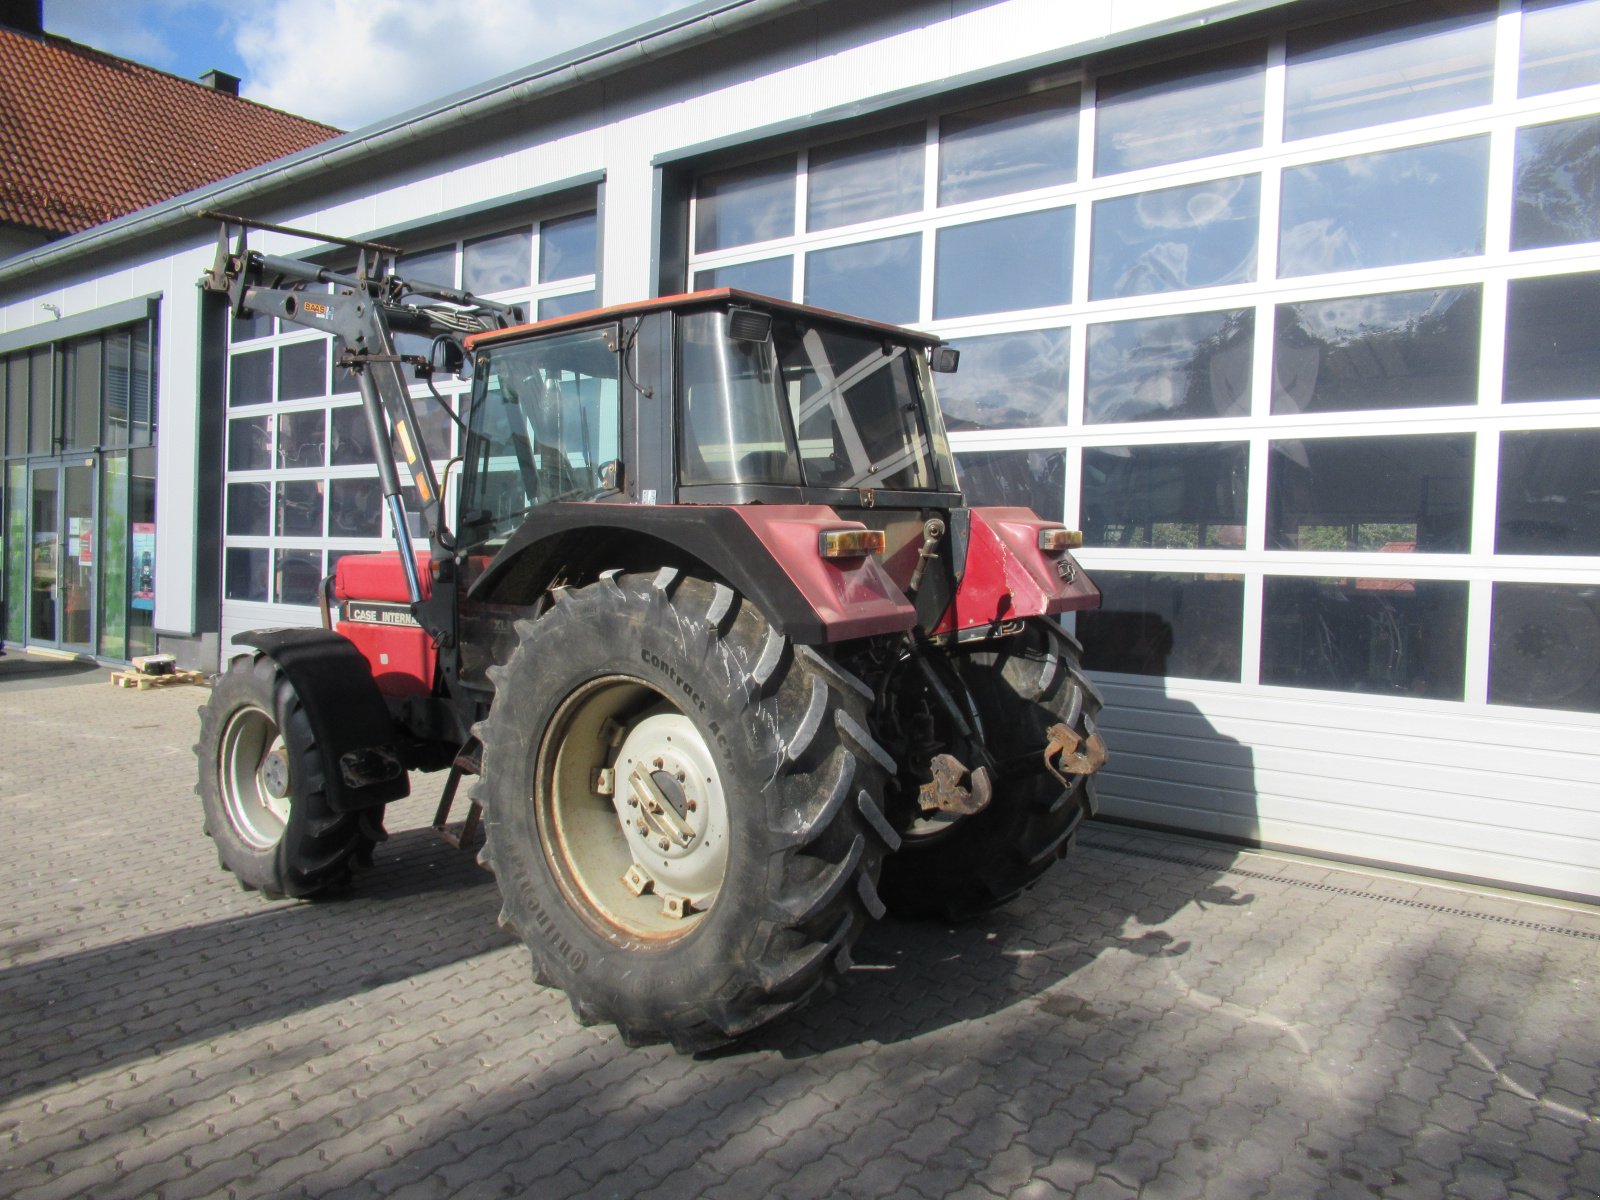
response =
{"points": [[683, 776], [690, 805], [644, 830], [658, 764], [664, 844]]}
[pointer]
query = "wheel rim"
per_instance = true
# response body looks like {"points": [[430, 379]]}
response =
{"points": [[631, 811], [253, 773]]}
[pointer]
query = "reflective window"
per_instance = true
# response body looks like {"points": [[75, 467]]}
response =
{"points": [[118, 385], [566, 306], [1022, 261], [352, 441], [502, 262], [303, 370], [250, 444], [1374, 68], [1553, 338], [1376, 210], [567, 247], [1184, 625], [865, 178], [41, 401], [1398, 350], [296, 574], [1549, 500], [242, 329], [1405, 637], [16, 382], [881, 280], [1397, 494], [245, 573], [1560, 45], [1202, 235], [300, 438], [1008, 380], [300, 508], [250, 378], [249, 509], [766, 276], [355, 508], [437, 266], [1165, 497], [1013, 146], [80, 395], [753, 203], [433, 430], [1557, 188], [1544, 646], [1163, 368], [1033, 479], [1209, 104]]}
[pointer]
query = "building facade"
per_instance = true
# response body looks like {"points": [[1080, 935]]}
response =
{"points": [[1291, 307]]}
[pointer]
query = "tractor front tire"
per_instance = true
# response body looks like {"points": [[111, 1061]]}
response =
{"points": [[262, 787], [955, 869], [683, 809]]}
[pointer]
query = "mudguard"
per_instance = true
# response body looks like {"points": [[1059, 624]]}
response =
{"points": [[348, 716]]}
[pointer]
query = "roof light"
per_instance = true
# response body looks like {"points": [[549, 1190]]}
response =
{"points": [[1053, 541], [851, 543]]}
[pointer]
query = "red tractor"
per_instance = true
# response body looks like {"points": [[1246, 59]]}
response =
{"points": [[734, 666]]}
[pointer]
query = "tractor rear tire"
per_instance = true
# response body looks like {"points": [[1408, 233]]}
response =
{"points": [[640, 693], [262, 789], [954, 869]]}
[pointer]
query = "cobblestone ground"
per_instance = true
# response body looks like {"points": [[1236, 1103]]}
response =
{"points": [[1159, 1019]]}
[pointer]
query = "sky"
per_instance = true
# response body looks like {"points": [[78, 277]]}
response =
{"points": [[296, 54]]}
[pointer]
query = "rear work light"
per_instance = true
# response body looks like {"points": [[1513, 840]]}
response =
{"points": [[1056, 540], [851, 543]]}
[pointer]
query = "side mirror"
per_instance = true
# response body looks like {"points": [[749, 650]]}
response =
{"points": [[945, 359]]}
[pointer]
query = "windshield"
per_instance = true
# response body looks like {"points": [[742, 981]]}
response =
{"points": [[818, 403]]}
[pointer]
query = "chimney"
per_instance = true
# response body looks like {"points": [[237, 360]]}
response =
{"points": [[217, 81], [25, 16]]}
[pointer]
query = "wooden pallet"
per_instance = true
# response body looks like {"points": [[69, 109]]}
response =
{"points": [[128, 679]]}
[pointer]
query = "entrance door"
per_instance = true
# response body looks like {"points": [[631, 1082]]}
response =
{"points": [[61, 567]]}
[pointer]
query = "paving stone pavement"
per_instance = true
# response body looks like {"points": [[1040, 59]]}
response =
{"points": [[1159, 1019]]}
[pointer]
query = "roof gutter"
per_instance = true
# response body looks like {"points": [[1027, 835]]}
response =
{"points": [[669, 35]]}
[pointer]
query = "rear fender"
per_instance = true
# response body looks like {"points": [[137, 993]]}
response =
{"points": [[1007, 577]]}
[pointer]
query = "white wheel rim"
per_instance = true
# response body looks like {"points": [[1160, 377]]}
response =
{"points": [[253, 778]]}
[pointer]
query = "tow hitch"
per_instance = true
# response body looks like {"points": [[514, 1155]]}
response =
{"points": [[1067, 754]]}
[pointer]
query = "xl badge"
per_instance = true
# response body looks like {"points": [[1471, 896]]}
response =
{"points": [[1066, 568]]}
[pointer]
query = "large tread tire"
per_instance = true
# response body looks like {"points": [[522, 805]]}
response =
{"points": [[309, 850], [786, 729], [1022, 686]]}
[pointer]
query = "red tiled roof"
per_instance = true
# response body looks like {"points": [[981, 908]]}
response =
{"points": [[86, 137]]}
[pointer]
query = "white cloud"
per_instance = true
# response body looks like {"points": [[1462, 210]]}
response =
{"points": [[352, 62]]}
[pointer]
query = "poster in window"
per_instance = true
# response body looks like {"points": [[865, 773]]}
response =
{"points": [[142, 551]]}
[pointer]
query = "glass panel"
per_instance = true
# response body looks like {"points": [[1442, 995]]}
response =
{"points": [[250, 509], [245, 572], [352, 440], [242, 329], [865, 178], [1549, 500], [355, 508], [1374, 68], [1033, 479], [143, 406], [1008, 380], [296, 574], [1006, 263], [303, 370], [766, 277], [1560, 45], [142, 552], [1396, 494], [1376, 210], [17, 558], [41, 402], [118, 380], [565, 306], [300, 438], [1401, 636], [1203, 235], [732, 404], [45, 487], [1557, 197], [78, 558], [753, 203], [1013, 146], [1166, 497], [1194, 108], [80, 425], [1400, 350], [1553, 338], [114, 534], [436, 266], [250, 378], [1166, 368], [880, 280], [250, 444], [567, 247], [433, 424], [1183, 625], [1544, 646], [500, 263], [300, 508], [17, 404]]}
